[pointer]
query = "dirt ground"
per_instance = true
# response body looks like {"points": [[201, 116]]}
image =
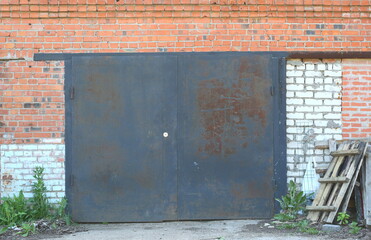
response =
{"points": [[45, 230], [192, 230]]}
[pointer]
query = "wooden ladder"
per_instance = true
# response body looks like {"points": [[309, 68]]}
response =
{"points": [[338, 182]]}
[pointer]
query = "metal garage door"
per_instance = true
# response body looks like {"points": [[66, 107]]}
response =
{"points": [[170, 137]]}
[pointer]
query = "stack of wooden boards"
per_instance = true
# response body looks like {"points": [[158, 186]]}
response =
{"points": [[337, 185]]}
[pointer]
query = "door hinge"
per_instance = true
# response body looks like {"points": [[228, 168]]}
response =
{"points": [[72, 180], [272, 91], [72, 93]]}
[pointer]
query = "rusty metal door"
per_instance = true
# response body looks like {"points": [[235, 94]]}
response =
{"points": [[154, 137], [225, 146], [122, 167]]}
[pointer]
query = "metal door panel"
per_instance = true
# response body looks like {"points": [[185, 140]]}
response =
{"points": [[225, 145], [217, 161], [123, 169]]}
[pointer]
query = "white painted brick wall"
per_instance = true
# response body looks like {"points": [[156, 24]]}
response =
{"points": [[18, 162], [313, 111]]}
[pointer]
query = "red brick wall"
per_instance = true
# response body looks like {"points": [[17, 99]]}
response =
{"points": [[32, 92], [32, 101], [30, 26], [356, 102]]}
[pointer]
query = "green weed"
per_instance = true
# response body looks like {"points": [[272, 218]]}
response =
{"points": [[286, 226], [14, 210], [293, 202], [19, 211], [343, 218], [301, 226], [27, 229], [3, 230], [284, 217], [40, 204], [60, 212], [354, 229], [312, 231]]}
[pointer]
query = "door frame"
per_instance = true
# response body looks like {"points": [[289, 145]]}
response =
{"points": [[279, 111]]}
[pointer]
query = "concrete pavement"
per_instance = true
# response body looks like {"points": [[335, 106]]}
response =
{"points": [[192, 230]]}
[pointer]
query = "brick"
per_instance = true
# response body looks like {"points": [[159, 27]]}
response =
{"points": [[309, 80], [294, 87], [321, 67], [320, 123], [336, 102], [314, 87], [332, 131], [291, 130], [313, 115], [294, 73], [309, 67], [290, 108], [313, 102], [294, 101], [322, 109], [289, 66], [322, 95], [332, 73], [332, 116], [304, 94], [300, 67], [295, 115], [313, 74], [304, 109], [299, 80], [290, 122]]}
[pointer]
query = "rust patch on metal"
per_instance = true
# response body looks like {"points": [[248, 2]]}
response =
{"points": [[226, 105]]}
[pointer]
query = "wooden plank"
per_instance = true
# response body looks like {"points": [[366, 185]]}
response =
{"points": [[345, 152], [336, 188], [332, 195], [348, 194], [354, 179], [322, 192], [333, 180], [329, 189], [353, 171], [319, 199], [321, 208], [332, 189]]}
